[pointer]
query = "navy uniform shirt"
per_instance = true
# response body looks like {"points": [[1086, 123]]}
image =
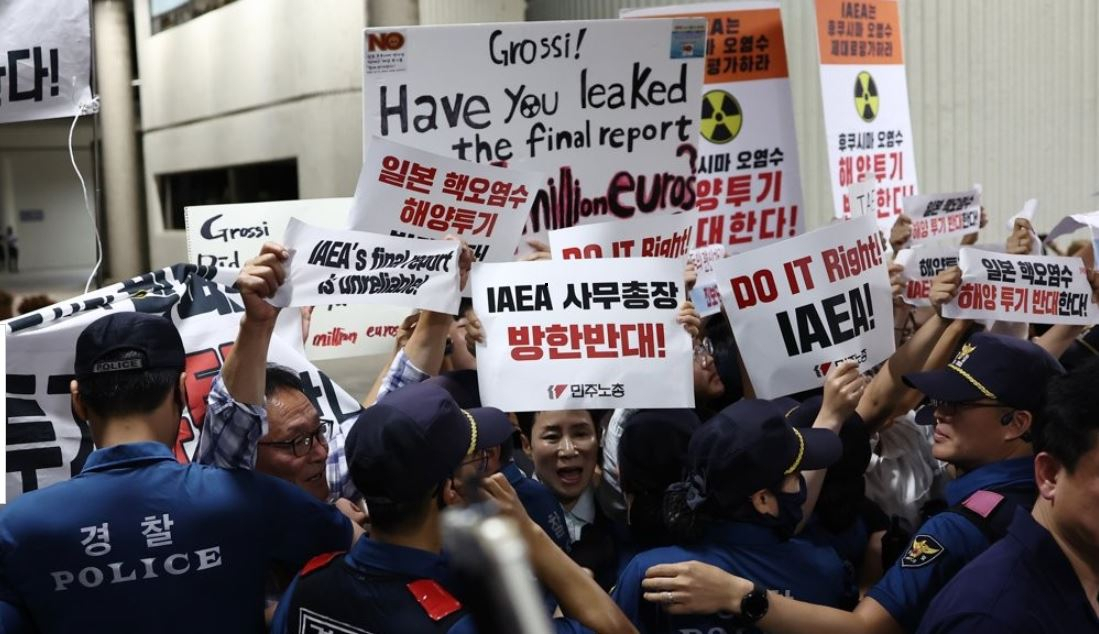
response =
{"points": [[794, 567], [944, 544], [140, 543], [1022, 584], [539, 503], [369, 591]]}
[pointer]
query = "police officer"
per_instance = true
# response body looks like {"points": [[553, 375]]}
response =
{"points": [[121, 544], [744, 476], [402, 454], [982, 404]]}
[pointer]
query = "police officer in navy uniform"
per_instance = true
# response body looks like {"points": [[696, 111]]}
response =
{"points": [[983, 405], [744, 481], [403, 454], [125, 544]]}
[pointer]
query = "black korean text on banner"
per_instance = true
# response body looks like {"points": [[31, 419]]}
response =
{"points": [[607, 109], [329, 266], [567, 334], [648, 237], [865, 101], [813, 301], [1023, 289], [45, 59], [921, 264], [406, 192], [749, 185], [942, 216]]}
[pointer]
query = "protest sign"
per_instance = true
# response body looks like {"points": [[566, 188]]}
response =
{"points": [[648, 237], [606, 109], [824, 295], [46, 444], [1022, 288], [922, 263], [706, 294], [355, 267], [45, 59], [1071, 223], [582, 334], [941, 216], [406, 192], [1030, 207], [227, 236], [865, 101], [863, 199], [749, 184]]}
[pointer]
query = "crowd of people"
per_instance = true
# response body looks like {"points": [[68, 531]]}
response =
{"points": [[951, 489]]}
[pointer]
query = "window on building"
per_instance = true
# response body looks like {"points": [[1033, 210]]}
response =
{"points": [[168, 13], [252, 183]]}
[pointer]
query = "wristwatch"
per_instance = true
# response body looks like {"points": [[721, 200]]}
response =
{"points": [[753, 606]]}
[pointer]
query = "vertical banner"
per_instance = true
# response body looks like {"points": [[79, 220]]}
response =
{"points": [[582, 334], [815, 300], [865, 101], [607, 109], [227, 236], [405, 192], [45, 59], [748, 183]]}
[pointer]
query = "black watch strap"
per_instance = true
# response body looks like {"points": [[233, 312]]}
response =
{"points": [[753, 606]]}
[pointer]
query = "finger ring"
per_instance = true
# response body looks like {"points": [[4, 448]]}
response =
{"points": [[668, 597]]}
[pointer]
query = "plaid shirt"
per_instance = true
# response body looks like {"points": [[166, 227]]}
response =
{"points": [[231, 430]]}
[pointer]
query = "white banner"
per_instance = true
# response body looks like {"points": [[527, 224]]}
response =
{"points": [[749, 184], [411, 193], [921, 264], [582, 334], [607, 109], [45, 59], [45, 444], [650, 237], [941, 216], [801, 306], [706, 295], [865, 100], [355, 267], [1040, 289], [862, 197]]}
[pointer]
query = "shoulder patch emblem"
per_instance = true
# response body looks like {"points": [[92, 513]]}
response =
{"points": [[923, 550]]}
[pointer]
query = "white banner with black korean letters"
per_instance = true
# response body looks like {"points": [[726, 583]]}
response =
{"points": [[941, 216], [45, 59], [406, 192], [649, 237], [582, 334], [922, 263], [354, 267], [812, 301], [1022, 288]]}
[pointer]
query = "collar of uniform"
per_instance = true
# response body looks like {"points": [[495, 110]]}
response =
{"points": [[126, 455], [584, 509], [1052, 564], [413, 562], [1017, 471], [740, 534], [513, 473]]}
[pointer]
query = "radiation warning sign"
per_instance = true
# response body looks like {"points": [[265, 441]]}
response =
{"points": [[748, 183], [865, 102]]}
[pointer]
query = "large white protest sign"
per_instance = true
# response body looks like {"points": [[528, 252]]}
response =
{"points": [[1022, 288], [582, 334], [921, 264], [46, 444], [942, 216], [749, 184], [407, 192], [354, 267], [45, 59], [865, 101], [607, 109], [799, 307], [706, 294], [650, 237], [227, 236]]}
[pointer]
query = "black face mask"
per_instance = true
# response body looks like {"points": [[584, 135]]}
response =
{"points": [[789, 511]]}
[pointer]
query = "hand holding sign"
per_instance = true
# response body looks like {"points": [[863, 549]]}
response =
{"points": [[1019, 243], [259, 280], [945, 287], [901, 232], [843, 387]]}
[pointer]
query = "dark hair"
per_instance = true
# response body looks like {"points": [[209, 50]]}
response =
{"points": [[526, 422], [1068, 425], [115, 394], [281, 378], [403, 517]]}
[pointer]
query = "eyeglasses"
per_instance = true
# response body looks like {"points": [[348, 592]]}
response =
{"points": [[480, 459], [303, 444], [950, 408], [704, 352]]}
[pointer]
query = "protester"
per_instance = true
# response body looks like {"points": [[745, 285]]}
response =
{"points": [[116, 547]]}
